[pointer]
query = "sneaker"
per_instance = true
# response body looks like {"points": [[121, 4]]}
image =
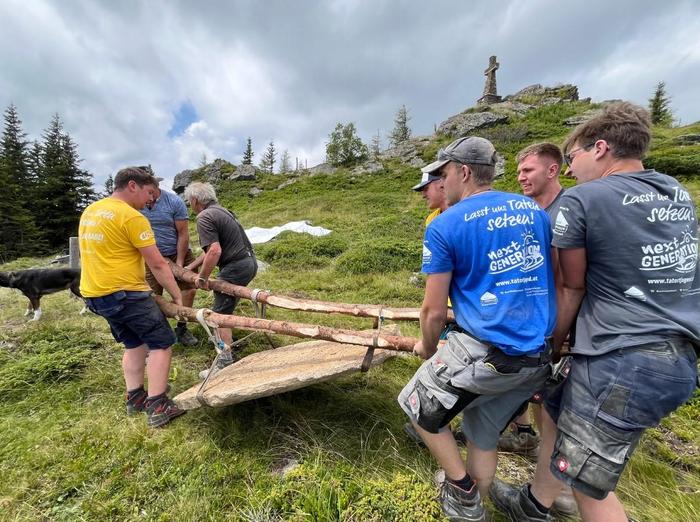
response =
{"points": [[185, 337], [523, 443], [460, 505], [515, 503], [226, 358], [565, 503], [136, 404], [161, 411]]}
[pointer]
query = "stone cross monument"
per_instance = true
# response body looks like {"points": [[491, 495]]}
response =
{"points": [[490, 94]]}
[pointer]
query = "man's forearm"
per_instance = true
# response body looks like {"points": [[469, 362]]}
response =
{"points": [[183, 244], [431, 324], [208, 264], [568, 304], [165, 277]]}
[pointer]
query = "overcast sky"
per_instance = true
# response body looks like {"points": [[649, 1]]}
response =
{"points": [[163, 82]]}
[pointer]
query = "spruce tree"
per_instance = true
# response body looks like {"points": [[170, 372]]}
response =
{"points": [[248, 154], [267, 163], [19, 235], [109, 186], [401, 131], [660, 107], [64, 188], [375, 147], [285, 163]]}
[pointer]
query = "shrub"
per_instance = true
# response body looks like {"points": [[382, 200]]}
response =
{"points": [[290, 250], [675, 161], [388, 255]]}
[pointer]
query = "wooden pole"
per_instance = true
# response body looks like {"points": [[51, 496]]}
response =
{"points": [[73, 253], [303, 305], [309, 331]]}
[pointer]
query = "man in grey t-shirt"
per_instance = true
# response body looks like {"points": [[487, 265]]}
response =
{"points": [[627, 246], [225, 244]]}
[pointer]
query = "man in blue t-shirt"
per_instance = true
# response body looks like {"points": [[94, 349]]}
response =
{"points": [[489, 252], [169, 220]]}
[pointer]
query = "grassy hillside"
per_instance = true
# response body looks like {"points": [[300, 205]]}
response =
{"points": [[334, 451]]}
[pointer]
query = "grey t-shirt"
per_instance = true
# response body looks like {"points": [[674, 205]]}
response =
{"points": [[216, 224], [554, 206], [643, 281]]}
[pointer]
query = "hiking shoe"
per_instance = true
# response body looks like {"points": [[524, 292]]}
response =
{"points": [[565, 503], [186, 338], [226, 358], [460, 505], [523, 443], [136, 404], [515, 503], [161, 410]]}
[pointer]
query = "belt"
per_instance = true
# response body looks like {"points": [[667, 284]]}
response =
{"points": [[495, 352]]}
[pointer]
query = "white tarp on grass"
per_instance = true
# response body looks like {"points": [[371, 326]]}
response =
{"points": [[263, 235]]}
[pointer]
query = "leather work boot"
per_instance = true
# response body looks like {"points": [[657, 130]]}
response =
{"points": [[460, 505], [523, 443], [515, 503], [185, 337]]}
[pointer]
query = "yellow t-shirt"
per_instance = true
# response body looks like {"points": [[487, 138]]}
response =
{"points": [[110, 234], [435, 213]]}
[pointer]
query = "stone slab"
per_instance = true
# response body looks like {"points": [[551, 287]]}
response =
{"points": [[280, 370]]}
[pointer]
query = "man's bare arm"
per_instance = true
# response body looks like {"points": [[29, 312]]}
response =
{"points": [[571, 288], [211, 258], [183, 240], [161, 270], [433, 313]]}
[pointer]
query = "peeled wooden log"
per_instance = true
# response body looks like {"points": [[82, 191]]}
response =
{"points": [[304, 305], [309, 331]]}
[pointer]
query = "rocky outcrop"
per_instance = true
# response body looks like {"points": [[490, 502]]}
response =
{"points": [[215, 172], [581, 118], [687, 139], [538, 95], [466, 123], [408, 151], [368, 167], [322, 168], [244, 173]]}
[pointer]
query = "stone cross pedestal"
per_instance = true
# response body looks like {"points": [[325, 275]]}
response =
{"points": [[490, 93]]}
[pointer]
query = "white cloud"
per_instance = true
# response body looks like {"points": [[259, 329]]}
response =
{"points": [[117, 72]]}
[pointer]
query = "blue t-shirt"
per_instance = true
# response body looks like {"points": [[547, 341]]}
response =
{"points": [[497, 246], [167, 209]]}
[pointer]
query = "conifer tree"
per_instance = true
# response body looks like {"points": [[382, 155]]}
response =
{"points": [[19, 234], [401, 131], [285, 163], [660, 107], [344, 147], [248, 154], [64, 189], [109, 186], [267, 163], [375, 147]]}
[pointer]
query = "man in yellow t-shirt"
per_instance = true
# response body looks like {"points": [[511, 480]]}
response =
{"points": [[115, 239], [430, 187]]}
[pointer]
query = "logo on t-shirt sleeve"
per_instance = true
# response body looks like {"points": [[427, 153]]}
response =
{"points": [[561, 225], [145, 235], [427, 255]]}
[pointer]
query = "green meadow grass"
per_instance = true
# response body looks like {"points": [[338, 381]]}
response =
{"points": [[332, 451]]}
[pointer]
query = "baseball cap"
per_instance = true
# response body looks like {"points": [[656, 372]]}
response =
{"points": [[429, 174], [468, 150]]}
